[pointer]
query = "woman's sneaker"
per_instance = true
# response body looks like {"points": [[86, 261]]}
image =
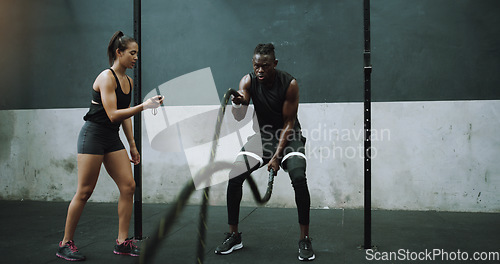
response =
{"points": [[306, 252], [69, 251], [231, 243], [127, 248]]}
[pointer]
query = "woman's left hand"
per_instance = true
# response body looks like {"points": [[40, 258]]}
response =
{"points": [[136, 157]]}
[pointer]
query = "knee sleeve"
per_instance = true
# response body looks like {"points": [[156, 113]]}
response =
{"points": [[245, 163], [293, 161], [302, 196]]}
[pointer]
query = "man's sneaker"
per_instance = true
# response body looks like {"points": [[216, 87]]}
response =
{"points": [[305, 249], [232, 242], [69, 251], [127, 248]]}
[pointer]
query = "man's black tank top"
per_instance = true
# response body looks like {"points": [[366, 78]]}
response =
{"points": [[268, 103], [97, 113]]}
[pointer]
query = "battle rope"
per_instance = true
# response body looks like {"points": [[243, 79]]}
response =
{"points": [[150, 246], [255, 190]]}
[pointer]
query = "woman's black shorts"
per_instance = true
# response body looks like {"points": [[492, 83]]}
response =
{"points": [[98, 139]]}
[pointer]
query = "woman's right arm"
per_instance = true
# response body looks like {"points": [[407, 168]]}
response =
{"points": [[106, 85]]}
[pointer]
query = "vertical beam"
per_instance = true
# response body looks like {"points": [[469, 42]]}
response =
{"points": [[367, 127], [138, 125]]}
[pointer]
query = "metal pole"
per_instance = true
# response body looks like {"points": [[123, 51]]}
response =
{"points": [[367, 127], [138, 126]]}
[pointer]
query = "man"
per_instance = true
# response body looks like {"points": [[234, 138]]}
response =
{"points": [[278, 142]]}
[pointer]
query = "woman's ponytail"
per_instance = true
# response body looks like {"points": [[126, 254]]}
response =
{"points": [[118, 41]]}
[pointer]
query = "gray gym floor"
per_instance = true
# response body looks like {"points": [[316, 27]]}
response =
{"points": [[30, 231]]}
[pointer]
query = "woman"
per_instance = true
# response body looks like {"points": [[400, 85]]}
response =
{"points": [[99, 143]]}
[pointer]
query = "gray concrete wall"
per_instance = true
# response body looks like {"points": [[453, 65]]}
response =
{"points": [[426, 156]]}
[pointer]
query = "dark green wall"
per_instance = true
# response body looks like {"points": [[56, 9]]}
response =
{"points": [[435, 49], [52, 50], [421, 49], [319, 42]]}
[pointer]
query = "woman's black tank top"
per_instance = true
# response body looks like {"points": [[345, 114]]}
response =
{"points": [[97, 113]]}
